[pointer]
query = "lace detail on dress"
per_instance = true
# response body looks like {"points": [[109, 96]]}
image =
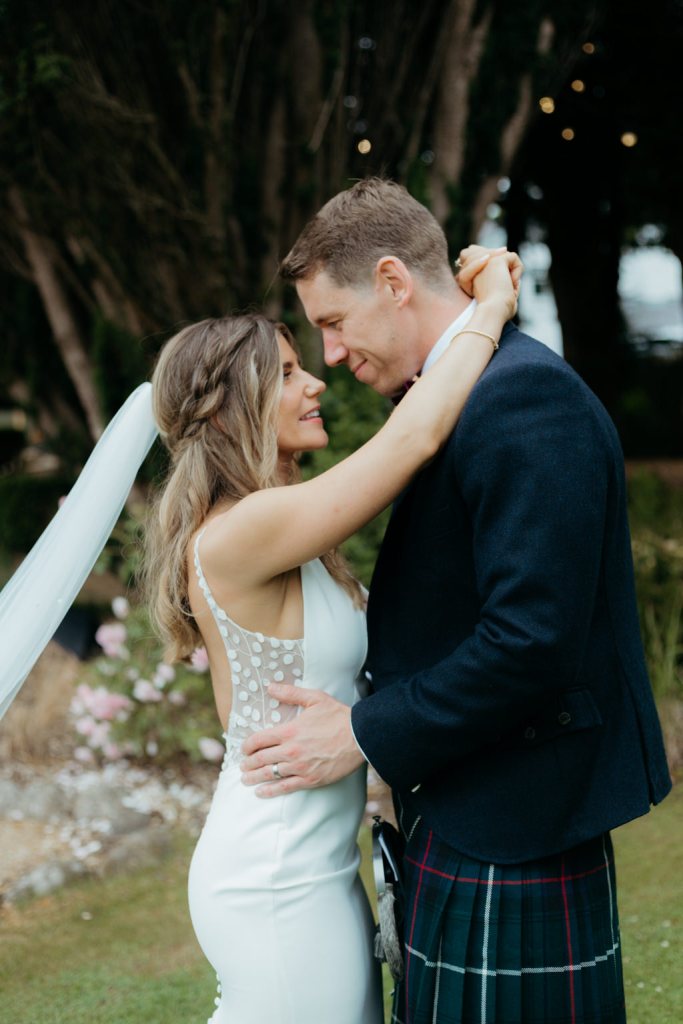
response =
{"points": [[255, 661]]}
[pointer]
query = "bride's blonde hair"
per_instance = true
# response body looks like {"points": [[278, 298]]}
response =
{"points": [[216, 394]]}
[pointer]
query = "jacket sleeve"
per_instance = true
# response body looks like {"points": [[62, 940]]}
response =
{"points": [[531, 460]]}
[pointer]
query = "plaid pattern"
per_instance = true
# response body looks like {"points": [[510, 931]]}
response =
{"points": [[533, 943]]}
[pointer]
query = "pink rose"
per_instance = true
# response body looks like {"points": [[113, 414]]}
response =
{"points": [[99, 734], [120, 607], [210, 749], [146, 692], [199, 659], [164, 674], [112, 751], [84, 755], [85, 726], [111, 636]]}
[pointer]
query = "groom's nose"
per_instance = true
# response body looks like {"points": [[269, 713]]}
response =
{"points": [[335, 352]]}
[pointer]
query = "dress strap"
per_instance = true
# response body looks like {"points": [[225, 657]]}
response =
{"points": [[218, 613]]}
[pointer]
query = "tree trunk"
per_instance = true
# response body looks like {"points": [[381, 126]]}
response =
{"points": [[59, 313], [461, 64], [513, 133]]}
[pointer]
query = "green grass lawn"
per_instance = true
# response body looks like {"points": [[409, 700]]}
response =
{"points": [[122, 951]]}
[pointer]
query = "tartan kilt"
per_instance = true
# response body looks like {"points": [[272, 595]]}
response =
{"points": [[532, 943]]}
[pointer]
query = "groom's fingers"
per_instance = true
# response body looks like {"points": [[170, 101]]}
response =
{"points": [[300, 695], [287, 785]]}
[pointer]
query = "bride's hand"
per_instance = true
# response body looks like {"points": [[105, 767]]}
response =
{"points": [[470, 262], [492, 283]]}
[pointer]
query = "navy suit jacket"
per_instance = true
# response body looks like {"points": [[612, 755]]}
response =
{"points": [[510, 702]]}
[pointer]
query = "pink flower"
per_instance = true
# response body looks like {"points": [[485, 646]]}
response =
{"points": [[211, 750], [112, 751], [111, 636], [177, 698], [84, 755], [85, 726], [99, 734], [120, 607], [199, 659], [101, 703], [164, 673], [146, 692]]}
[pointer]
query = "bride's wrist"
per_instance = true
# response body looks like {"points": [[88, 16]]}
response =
{"points": [[497, 311]]}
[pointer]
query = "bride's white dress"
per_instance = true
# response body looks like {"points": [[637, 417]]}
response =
{"points": [[275, 897]]}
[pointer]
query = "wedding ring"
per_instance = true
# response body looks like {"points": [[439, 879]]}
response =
{"points": [[276, 771]]}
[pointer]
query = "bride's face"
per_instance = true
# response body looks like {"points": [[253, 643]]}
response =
{"points": [[300, 427]]}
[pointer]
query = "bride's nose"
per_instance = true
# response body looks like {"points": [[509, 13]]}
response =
{"points": [[314, 386]]}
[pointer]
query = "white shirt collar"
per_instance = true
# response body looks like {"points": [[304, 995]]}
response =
{"points": [[442, 344]]}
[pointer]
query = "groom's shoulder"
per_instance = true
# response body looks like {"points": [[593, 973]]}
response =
{"points": [[525, 362]]}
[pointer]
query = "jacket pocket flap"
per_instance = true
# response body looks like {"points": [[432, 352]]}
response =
{"points": [[569, 712]]}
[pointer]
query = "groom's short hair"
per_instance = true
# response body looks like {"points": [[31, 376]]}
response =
{"points": [[373, 218]]}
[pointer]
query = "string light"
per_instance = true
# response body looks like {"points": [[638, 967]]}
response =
{"points": [[578, 85], [547, 104], [588, 48], [629, 139], [568, 134], [364, 146]]}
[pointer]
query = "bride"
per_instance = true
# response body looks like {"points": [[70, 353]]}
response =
{"points": [[248, 567]]}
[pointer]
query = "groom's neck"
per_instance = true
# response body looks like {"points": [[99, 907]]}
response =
{"points": [[434, 314]]}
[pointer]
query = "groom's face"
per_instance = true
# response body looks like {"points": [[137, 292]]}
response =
{"points": [[362, 328]]}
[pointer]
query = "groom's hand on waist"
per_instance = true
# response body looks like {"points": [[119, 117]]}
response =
{"points": [[314, 749]]}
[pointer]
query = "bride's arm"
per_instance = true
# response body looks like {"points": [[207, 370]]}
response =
{"points": [[274, 530]]}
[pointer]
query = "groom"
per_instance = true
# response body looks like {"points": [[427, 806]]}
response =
{"points": [[510, 710]]}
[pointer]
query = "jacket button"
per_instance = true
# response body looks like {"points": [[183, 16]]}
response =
{"points": [[530, 733], [564, 718]]}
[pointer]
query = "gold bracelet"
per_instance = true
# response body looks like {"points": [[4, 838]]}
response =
{"points": [[470, 330]]}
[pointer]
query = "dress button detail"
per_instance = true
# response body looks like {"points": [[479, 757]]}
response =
{"points": [[276, 716], [253, 686], [564, 718], [530, 733], [243, 695], [288, 659], [274, 703], [256, 646], [256, 662], [278, 676]]}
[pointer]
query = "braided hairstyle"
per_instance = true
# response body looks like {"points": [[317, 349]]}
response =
{"points": [[216, 396]]}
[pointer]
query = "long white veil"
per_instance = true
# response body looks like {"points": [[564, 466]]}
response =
{"points": [[39, 594]]}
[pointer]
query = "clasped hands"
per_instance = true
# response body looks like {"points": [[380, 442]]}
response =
{"points": [[469, 264], [314, 749]]}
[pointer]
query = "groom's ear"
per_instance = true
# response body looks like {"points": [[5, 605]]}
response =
{"points": [[392, 274]]}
